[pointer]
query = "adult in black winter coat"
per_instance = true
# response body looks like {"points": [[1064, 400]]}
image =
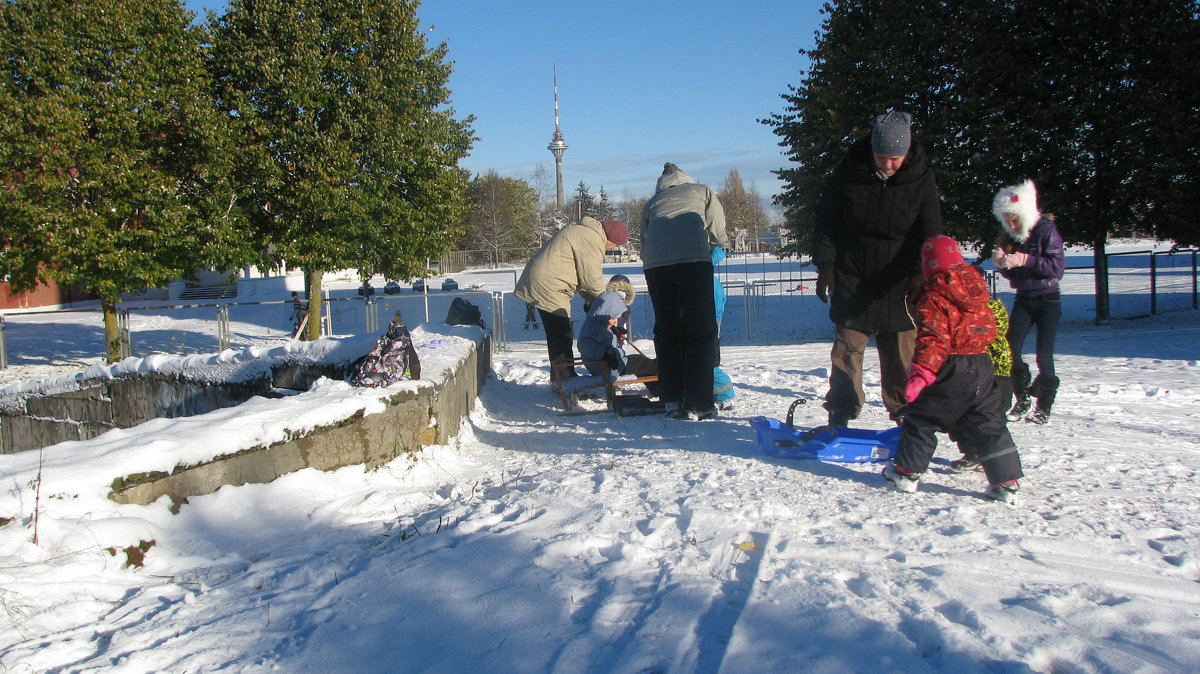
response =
{"points": [[879, 205]]}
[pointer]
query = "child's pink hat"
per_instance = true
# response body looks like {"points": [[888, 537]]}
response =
{"points": [[938, 253]]}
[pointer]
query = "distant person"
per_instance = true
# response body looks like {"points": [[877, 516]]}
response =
{"points": [[299, 313], [681, 224], [1030, 255], [600, 348], [571, 262], [879, 205], [950, 381]]}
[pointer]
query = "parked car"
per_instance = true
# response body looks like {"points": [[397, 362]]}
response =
{"points": [[449, 285], [391, 288], [419, 285], [366, 289]]}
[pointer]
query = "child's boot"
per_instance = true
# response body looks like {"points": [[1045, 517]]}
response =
{"points": [[1005, 492], [902, 479]]}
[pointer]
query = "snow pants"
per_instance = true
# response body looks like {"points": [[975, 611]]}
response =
{"points": [[964, 398], [685, 333]]}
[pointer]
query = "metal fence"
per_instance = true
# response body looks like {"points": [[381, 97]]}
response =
{"points": [[768, 302]]}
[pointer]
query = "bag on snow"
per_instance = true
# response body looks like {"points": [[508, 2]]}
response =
{"points": [[393, 358], [463, 312]]}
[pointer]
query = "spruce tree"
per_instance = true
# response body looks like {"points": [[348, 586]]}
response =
{"points": [[114, 162], [349, 149], [584, 204], [1093, 101]]}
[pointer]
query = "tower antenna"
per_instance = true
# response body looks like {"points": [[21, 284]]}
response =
{"points": [[557, 146]]}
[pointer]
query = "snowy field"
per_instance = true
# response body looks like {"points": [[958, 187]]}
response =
{"points": [[538, 542]]}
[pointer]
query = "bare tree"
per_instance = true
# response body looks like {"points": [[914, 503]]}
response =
{"points": [[745, 216], [502, 216]]}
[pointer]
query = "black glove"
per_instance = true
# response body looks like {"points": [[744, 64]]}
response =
{"points": [[614, 363], [824, 284], [619, 333]]}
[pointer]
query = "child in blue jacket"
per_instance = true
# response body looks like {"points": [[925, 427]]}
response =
{"points": [[601, 349]]}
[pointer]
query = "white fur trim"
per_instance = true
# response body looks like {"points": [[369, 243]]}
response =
{"points": [[1020, 200]]}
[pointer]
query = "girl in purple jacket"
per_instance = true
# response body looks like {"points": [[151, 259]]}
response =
{"points": [[1030, 255]]}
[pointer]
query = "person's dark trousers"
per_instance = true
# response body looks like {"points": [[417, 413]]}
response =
{"points": [[846, 397], [1042, 312], [964, 398], [641, 366], [559, 340], [685, 333]]}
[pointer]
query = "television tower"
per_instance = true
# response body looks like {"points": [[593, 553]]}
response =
{"points": [[558, 146]]}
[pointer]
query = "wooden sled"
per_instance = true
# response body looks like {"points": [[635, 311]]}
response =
{"points": [[571, 388]]}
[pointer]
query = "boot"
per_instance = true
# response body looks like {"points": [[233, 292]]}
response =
{"points": [[1021, 393], [1046, 390]]}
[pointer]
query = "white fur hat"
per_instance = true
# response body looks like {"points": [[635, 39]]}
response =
{"points": [[1019, 200]]}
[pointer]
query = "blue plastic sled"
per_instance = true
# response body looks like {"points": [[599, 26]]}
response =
{"points": [[834, 444]]}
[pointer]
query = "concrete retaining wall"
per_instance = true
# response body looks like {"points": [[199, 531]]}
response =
{"points": [[125, 402], [411, 420]]}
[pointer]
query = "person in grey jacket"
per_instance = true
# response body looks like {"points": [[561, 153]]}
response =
{"points": [[681, 224], [570, 262]]}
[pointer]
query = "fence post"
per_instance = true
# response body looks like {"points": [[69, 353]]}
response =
{"points": [[222, 327], [123, 333], [1153, 283], [499, 326], [747, 297], [4, 340], [1194, 278]]}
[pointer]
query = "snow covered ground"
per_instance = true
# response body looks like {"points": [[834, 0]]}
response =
{"points": [[538, 542]]}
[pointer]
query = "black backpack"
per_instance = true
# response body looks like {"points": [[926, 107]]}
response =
{"points": [[463, 312]]}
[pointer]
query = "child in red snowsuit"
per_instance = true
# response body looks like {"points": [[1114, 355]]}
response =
{"points": [[951, 382]]}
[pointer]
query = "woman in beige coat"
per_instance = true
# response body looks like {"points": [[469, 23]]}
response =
{"points": [[571, 262]]}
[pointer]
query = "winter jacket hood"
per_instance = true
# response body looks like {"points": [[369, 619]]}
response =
{"points": [[953, 316], [609, 305], [624, 288], [1021, 201], [671, 179]]}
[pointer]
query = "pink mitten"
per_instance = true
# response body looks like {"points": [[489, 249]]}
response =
{"points": [[998, 258], [1014, 260], [918, 378]]}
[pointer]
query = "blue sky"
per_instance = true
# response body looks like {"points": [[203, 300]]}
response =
{"points": [[639, 83]]}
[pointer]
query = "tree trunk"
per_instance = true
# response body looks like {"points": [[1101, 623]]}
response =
{"points": [[1100, 268], [113, 339], [314, 277]]}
